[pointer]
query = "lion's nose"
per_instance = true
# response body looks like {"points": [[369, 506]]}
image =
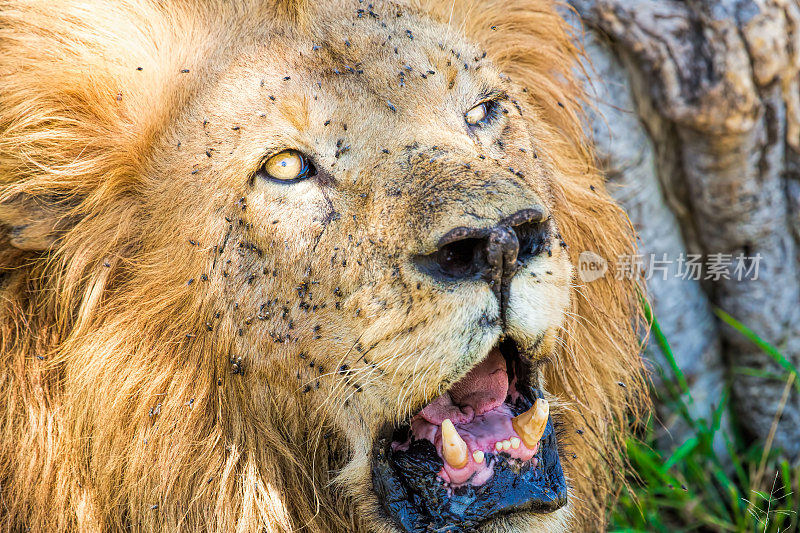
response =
{"points": [[494, 254]]}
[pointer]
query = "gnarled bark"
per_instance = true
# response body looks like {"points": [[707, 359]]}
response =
{"points": [[715, 84]]}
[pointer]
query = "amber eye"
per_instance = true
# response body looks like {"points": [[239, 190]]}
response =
{"points": [[477, 114], [288, 165]]}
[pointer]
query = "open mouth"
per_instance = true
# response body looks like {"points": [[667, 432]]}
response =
{"points": [[483, 449]]}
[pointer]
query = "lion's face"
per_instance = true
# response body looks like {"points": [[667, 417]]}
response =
{"points": [[373, 224], [283, 264]]}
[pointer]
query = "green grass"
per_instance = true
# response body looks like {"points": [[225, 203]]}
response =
{"points": [[693, 487]]}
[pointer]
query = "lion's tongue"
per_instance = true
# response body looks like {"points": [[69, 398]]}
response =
{"points": [[476, 407], [485, 388]]}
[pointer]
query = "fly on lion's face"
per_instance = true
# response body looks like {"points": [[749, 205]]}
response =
{"points": [[368, 320]]}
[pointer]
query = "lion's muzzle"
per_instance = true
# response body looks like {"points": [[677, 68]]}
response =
{"points": [[483, 449], [493, 254]]}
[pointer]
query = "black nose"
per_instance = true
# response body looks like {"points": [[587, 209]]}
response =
{"points": [[494, 254]]}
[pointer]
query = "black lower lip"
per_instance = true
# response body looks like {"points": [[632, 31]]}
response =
{"points": [[413, 496]]}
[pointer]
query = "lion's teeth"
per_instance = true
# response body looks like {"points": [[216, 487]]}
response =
{"points": [[498, 446], [506, 445], [515, 442], [454, 449], [477, 455], [530, 424]]}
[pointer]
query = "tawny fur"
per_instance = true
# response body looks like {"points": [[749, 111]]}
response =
{"points": [[125, 404]]}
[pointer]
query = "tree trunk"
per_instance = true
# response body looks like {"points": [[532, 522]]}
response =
{"points": [[698, 124]]}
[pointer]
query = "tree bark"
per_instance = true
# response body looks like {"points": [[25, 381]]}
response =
{"points": [[701, 136]]}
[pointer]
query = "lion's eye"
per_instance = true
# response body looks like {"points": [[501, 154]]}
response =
{"points": [[477, 114], [289, 165]]}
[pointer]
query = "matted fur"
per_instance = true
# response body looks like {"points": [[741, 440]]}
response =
{"points": [[120, 408]]}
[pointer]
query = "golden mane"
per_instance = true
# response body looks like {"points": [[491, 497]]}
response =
{"points": [[78, 122]]}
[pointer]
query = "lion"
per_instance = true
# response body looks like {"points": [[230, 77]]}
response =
{"points": [[285, 265]]}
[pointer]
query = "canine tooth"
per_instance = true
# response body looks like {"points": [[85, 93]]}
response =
{"points": [[506, 445], [454, 449], [498, 446], [515, 442], [530, 424], [477, 455]]}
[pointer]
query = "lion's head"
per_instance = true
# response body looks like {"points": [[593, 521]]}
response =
{"points": [[283, 265]]}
